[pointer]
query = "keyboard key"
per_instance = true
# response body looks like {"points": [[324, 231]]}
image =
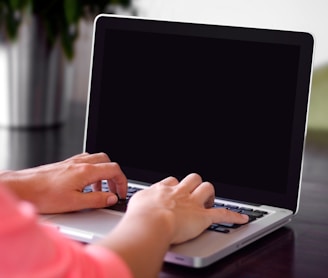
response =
{"points": [[218, 228], [121, 205], [256, 214], [222, 230]]}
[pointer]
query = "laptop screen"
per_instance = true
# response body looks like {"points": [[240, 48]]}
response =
{"points": [[230, 103]]}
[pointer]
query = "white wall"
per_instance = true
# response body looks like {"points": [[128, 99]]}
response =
{"points": [[302, 15]]}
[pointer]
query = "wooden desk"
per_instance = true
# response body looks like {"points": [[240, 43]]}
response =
{"points": [[298, 250]]}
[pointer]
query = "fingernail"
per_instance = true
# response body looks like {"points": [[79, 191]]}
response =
{"points": [[112, 199]]}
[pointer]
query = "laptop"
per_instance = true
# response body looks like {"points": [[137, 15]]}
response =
{"points": [[169, 98]]}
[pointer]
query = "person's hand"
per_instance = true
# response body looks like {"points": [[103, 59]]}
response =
{"points": [[58, 187], [168, 212], [187, 206]]}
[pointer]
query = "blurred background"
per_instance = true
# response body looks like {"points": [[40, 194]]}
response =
{"points": [[42, 105]]}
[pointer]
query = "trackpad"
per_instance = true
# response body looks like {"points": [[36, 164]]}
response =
{"points": [[96, 222]]}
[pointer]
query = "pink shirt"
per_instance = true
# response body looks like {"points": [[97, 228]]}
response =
{"points": [[29, 249]]}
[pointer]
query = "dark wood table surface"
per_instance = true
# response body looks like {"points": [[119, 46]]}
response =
{"points": [[300, 249]]}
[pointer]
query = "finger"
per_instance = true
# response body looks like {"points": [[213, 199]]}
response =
{"points": [[209, 202], [92, 173], [190, 182], [111, 186], [221, 215], [80, 155], [74, 157], [97, 186], [95, 200], [118, 187], [169, 181], [91, 158], [204, 194]]}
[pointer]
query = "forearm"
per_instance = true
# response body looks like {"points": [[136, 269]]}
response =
{"points": [[142, 242], [20, 185], [7, 180], [33, 250]]}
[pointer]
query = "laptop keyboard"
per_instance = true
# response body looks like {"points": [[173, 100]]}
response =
{"points": [[225, 227], [253, 214]]}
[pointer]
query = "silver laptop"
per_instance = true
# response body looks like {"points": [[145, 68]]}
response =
{"points": [[230, 103]]}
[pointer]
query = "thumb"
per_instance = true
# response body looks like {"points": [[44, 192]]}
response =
{"points": [[98, 199]]}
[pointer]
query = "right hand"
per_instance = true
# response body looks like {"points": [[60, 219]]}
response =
{"points": [[186, 206]]}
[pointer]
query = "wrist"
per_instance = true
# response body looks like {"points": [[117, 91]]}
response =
{"points": [[159, 220], [10, 180], [152, 233]]}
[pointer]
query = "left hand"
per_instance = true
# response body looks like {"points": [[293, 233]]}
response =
{"points": [[58, 187]]}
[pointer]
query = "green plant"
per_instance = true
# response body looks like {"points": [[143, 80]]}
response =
{"points": [[59, 17]]}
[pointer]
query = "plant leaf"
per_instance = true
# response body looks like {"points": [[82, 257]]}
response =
{"points": [[71, 8], [18, 4]]}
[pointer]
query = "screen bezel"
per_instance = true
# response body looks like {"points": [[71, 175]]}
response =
{"points": [[302, 39]]}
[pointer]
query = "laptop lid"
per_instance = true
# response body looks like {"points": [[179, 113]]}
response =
{"points": [[230, 103]]}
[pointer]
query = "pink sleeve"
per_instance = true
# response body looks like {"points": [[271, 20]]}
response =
{"points": [[30, 249]]}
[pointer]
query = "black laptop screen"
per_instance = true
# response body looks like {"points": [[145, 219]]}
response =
{"points": [[175, 98]]}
